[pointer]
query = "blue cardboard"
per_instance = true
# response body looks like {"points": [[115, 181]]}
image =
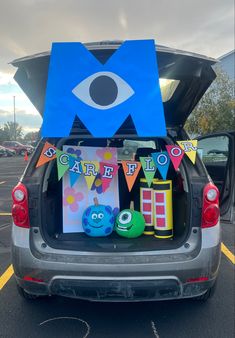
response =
{"points": [[103, 95]]}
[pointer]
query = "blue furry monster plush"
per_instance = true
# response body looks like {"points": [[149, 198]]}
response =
{"points": [[98, 220]]}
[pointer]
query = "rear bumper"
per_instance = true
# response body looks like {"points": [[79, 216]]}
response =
{"points": [[117, 290], [117, 278]]}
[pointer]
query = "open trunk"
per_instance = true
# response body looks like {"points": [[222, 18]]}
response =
{"points": [[52, 218]]}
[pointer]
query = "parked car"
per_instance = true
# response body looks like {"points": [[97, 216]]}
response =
{"points": [[49, 262], [18, 147], [3, 152], [6, 152]]}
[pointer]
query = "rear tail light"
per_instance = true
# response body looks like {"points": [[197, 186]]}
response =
{"points": [[210, 207], [20, 210], [33, 279]]}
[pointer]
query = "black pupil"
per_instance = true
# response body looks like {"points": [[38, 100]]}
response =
{"points": [[124, 217], [103, 90]]}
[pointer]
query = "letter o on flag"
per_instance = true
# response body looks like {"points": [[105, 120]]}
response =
{"points": [[162, 159], [176, 151]]}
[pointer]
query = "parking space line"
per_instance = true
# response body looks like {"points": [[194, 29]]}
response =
{"points": [[5, 213], [227, 253], [6, 276], [2, 182]]}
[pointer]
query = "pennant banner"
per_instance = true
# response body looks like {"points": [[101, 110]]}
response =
{"points": [[149, 169], [107, 172], [75, 169], [62, 163], [190, 149], [90, 170], [176, 153], [162, 161], [131, 170], [48, 154]]}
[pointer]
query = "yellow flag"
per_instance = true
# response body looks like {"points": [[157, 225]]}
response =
{"points": [[190, 149], [90, 169]]}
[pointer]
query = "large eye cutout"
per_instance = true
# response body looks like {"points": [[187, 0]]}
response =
{"points": [[125, 217], [103, 90]]}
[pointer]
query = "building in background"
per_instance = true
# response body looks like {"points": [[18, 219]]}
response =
{"points": [[227, 62]]}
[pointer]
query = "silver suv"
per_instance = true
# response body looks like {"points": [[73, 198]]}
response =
{"points": [[49, 262]]}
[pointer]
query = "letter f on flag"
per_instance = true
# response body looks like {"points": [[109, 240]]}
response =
{"points": [[103, 95]]}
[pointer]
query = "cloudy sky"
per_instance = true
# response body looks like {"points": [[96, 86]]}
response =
{"points": [[30, 26]]}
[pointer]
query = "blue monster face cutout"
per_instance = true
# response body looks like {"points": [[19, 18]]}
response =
{"points": [[98, 220]]}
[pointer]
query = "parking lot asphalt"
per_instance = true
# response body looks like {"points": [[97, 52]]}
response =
{"points": [[61, 317]]}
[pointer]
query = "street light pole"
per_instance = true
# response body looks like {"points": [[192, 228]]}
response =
{"points": [[14, 106]]}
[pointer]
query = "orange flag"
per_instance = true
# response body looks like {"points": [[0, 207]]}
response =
{"points": [[48, 154], [131, 170]]}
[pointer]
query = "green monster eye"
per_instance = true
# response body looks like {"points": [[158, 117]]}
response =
{"points": [[125, 217]]}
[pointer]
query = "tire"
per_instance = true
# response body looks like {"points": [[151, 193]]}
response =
{"points": [[26, 295], [209, 294]]}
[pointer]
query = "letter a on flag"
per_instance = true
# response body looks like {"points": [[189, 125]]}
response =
{"points": [[176, 154], [190, 149], [48, 154], [90, 170], [131, 170]]}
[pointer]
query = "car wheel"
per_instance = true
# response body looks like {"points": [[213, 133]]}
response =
{"points": [[207, 295], [26, 295]]}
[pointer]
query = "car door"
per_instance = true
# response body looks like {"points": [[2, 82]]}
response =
{"points": [[217, 153]]}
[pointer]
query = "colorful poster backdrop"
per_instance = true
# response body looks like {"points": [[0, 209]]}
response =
{"points": [[149, 169], [79, 197], [131, 170], [190, 149]]}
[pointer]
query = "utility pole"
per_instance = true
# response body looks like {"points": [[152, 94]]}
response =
{"points": [[14, 107]]}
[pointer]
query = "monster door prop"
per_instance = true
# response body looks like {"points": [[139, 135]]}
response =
{"points": [[103, 95]]}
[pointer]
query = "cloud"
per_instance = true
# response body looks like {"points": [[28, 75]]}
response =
{"points": [[29, 121], [30, 26]]}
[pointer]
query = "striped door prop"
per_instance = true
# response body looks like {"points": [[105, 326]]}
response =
{"points": [[163, 218], [146, 206]]}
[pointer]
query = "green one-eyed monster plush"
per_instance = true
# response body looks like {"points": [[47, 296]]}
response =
{"points": [[130, 223]]}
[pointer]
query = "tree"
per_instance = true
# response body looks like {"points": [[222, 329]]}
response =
{"points": [[3, 135], [216, 110], [12, 131], [32, 136]]}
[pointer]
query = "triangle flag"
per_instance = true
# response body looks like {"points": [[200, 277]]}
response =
{"points": [[131, 170], [90, 169], [48, 154], [149, 169], [176, 154], [62, 159], [162, 161], [107, 172], [190, 149], [75, 169]]}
